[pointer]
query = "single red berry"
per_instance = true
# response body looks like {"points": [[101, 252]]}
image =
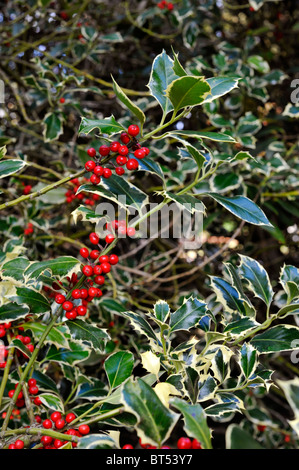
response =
{"points": [[19, 444], [287, 438], [139, 153], [33, 390], [30, 347], [67, 306], [97, 269], [119, 171], [55, 416], [81, 310], [127, 446], [26, 340], [109, 238], [59, 298], [261, 427], [46, 440], [31, 383], [83, 293], [113, 259], [58, 443], [133, 130], [184, 443], [94, 179], [76, 294], [107, 173], [114, 146], [104, 150], [27, 190], [87, 270], [125, 138], [72, 432], [47, 424], [123, 150], [72, 315], [94, 238], [70, 417], [37, 401], [90, 165], [98, 170], [91, 152], [170, 6], [100, 280], [121, 160], [106, 267], [132, 164], [59, 423], [131, 231], [7, 325], [11, 393], [104, 259], [11, 446], [62, 100], [84, 429], [196, 444], [146, 150], [94, 254], [92, 291], [38, 419]]}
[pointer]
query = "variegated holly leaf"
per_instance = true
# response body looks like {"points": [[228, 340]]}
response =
{"points": [[128, 103], [291, 391], [187, 91], [238, 438], [119, 367], [257, 279], [276, 339], [87, 333], [9, 167], [60, 267], [106, 126], [289, 279], [12, 311], [51, 401], [58, 334], [35, 301], [91, 391], [14, 269], [98, 441], [77, 353], [155, 421], [248, 360], [187, 315]]}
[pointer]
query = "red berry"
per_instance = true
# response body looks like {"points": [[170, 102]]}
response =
{"points": [[125, 138], [55, 416], [119, 171], [100, 280], [30, 347], [81, 310], [146, 150], [67, 306], [59, 423], [26, 340], [104, 259], [261, 427], [121, 160], [38, 419], [90, 165], [94, 179], [94, 254], [92, 291], [59, 298], [83, 293], [184, 443], [70, 417], [113, 259], [33, 390], [104, 150], [94, 238], [31, 383], [133, 130], [91, 152], [76, 294], [37, 401], [11, 393], [127, 446], [107, 173], [27, 190], [11, 446], [87, 270], [196, 444], [62, 100], [139, 153], [98, 170], [46, 440], [123, 150], [109, 238], [114, 146], [58, 443], [7, 325], [2, 332], [19, 444], [106, 267], [287, 438], [97, 269], [72, 315], [47, 424], [170, 6], [132, 164], [84, 429], [131, 231]]}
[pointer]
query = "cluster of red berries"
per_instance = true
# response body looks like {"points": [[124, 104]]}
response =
{"points": [[120, 228], [15, 414], [32, 390], [26, 340], [59, 423], [70, 194], [164, 4], [121, 152], [29, 229], [183, 443], [98, 266]]}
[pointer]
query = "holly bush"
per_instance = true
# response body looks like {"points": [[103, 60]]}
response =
{"points": [[123, 123]]}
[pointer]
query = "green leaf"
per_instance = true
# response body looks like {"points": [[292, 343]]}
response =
{"points": [[73, 356], [14, 269], [258, 63], [248, 359], [276, 339], [221, 364], [161, 310], [238, 438], [187, 91], [87, 333], [91, 391], [215, 136], [56, 335], [62, 266], [239, 326], [289, 279], [220, 86], [188, 315], [257, 279], [119, 367], [8, 167], [224, 182], [53, 127], [12, 311], [105, 126], [44, 382], [19, 345], [36, 301], [149, 165], [243, 208], [162, 75], [195, 421], [53, 402], [187, 202], [97, 441], [228, 295], [128, 103], [154, 421], [140, 325]]}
